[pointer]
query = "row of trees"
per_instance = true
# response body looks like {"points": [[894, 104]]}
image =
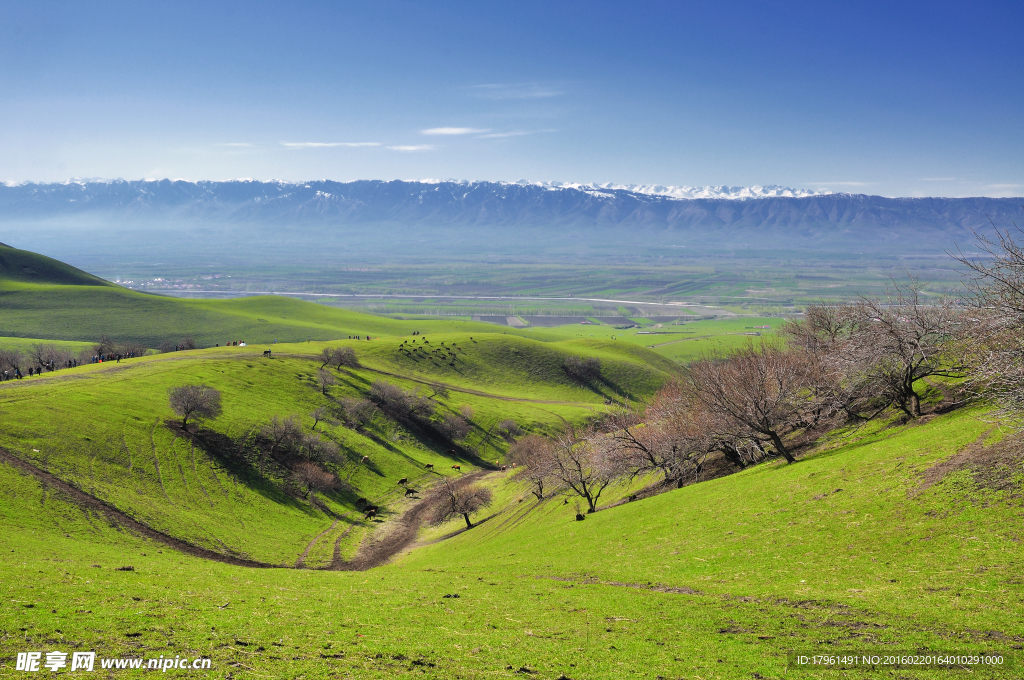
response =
{"points": [[841, 362]]}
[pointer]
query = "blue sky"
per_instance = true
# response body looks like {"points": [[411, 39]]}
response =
{"points": [[884, 98]]}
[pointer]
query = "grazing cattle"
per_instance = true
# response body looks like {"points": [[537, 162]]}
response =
{"points": [[457, 467], [409, 491], [366, 459], [429, 466], [513, 466], [266, 352], [370, 513], [504, 467], [403, 480], [361, 502]]}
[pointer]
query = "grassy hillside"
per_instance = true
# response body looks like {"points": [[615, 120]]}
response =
{"points": [[889, 539], [86, 312], [103, 427], [27, 267]]}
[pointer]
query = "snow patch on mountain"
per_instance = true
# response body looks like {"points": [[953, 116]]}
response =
{"points": [[685, 192], [676, 192]]}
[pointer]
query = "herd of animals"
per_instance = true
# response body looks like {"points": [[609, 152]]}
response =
{"points": [[448, 354], [370, 510]]}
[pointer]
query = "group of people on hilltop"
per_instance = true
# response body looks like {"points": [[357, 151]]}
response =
{"points": [[100, 358], [47, 366]]}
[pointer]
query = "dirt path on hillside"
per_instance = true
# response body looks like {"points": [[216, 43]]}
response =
{"points": [[119, 518], [395, 536], [392, 538], [302, 558]]}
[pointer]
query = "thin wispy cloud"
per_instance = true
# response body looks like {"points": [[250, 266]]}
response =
{"points": [[516, 91], [417, 147], [513, 133], [450, 131], [322, 145], [237, 145]]}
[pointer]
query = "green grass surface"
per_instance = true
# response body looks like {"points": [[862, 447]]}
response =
{"points": [[27, 267], [26, 344], [847, 550], [87, 312], [679, 342], [103, 427]]}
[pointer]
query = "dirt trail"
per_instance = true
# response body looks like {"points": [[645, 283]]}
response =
{"points": [[86, 500], [396, 536], [302, 558]]}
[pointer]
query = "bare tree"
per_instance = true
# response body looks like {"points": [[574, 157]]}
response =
{"points": [[324, 380], [195, 402], [438, 390], [327, 357], [283, 434], [133, 349], [315, 448], [901, 339], [838, 376], [357, 413], [322, 414], [757, 391], [454, 428], [451, 499], [346, 356], [994, 324], [49, 356], [534, 454], [105, 346], [583, 462], [509, 429], [336, 357], [667, 441], [399, 403], [11, 360], [314, 478], [187, 342]]}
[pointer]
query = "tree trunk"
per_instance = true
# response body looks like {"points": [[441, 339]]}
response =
{"points": [[915, 404], [733, 456], [469, 525], [781, 448]]}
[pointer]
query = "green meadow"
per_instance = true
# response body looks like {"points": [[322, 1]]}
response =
{"points": [[122, 534], [849, 550]]}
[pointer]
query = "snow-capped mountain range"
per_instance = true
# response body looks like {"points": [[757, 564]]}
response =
{"points": [[441, 218], [680, 192]]}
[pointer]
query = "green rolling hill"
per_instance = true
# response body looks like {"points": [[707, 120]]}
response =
{"points": [[125, 535], [24, 266]]}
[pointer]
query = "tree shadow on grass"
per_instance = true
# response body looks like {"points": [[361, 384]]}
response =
{"points": [[230, 454]]}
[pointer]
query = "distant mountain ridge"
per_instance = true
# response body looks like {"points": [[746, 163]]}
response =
{"points": [[442, 217]]}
